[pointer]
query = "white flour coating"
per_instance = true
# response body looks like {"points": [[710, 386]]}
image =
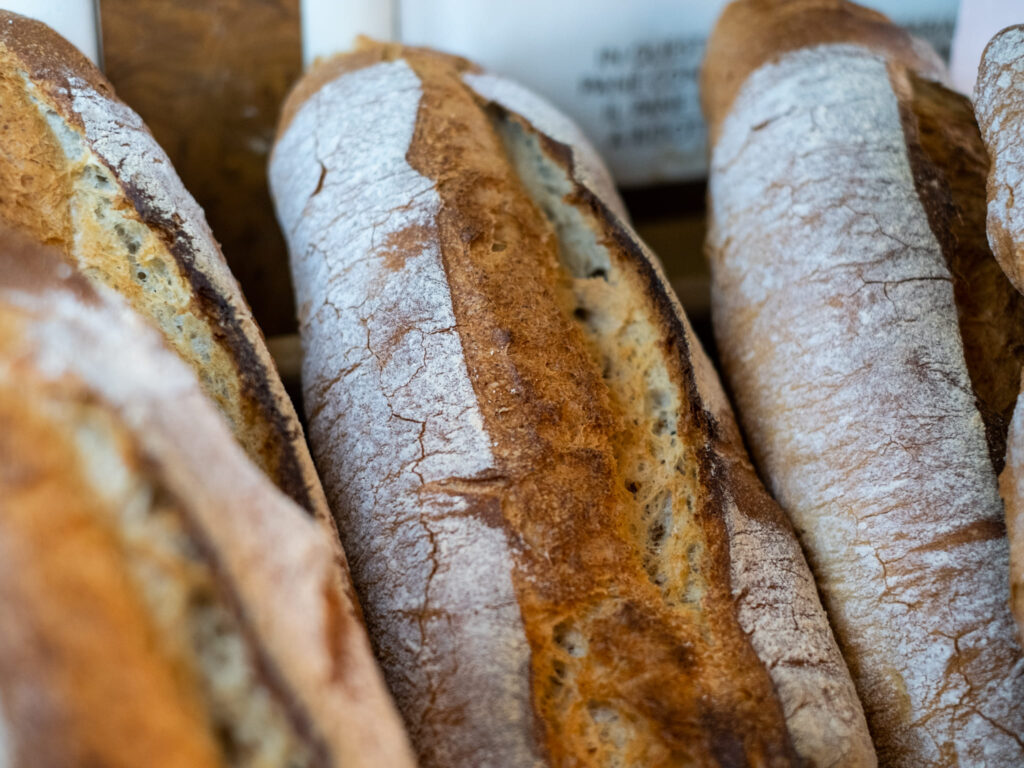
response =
{"points": [[63, 322], [778, 608], [999, 105], [393, 415], [588, 168], [835, 315]]}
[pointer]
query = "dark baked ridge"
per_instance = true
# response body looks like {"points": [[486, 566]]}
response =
{"points": [[122, 216], [603, 636], [675, 452]]}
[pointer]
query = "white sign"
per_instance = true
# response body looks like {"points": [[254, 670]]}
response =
{"points": [[626, 72], [978, 22], [75, 20]]}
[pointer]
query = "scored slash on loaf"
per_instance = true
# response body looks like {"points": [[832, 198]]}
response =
{"points": [[563, 554]]}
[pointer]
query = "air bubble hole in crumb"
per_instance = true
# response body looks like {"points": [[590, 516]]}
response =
{"points": [[571, 640]]}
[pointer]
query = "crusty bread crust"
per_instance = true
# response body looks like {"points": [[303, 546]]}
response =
{"points": [[950, 167], [999, 104], [1011, 488], [68, 351], [872, 347], [80, 170], [467, 408]]}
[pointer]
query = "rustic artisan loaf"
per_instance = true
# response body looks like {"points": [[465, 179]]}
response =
{"points": [[873, 348], [161, 602], [999, 104], [563, 554], [79, 170]]}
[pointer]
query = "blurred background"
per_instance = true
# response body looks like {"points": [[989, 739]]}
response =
{"points": [[209, 76]]}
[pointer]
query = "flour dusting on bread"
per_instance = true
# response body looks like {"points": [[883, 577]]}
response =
{"points": [[383, 359], [85, 175], [835, 314]]}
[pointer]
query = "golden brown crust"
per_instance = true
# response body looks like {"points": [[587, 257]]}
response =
{"points": [[607, 622], [367, 53], [750, 33], [146, 238]]}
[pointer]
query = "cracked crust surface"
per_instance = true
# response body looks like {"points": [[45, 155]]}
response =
{"points": [[80, 171], [999, 104], [191, 613], [844, 265], [564, 556]]}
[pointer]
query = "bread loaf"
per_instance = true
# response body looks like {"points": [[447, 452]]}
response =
{"points": [[80, 171], [162, 603], [563, 554], [999, 103], [873, 350]]}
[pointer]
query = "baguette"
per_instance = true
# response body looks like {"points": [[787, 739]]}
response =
{"points": [[162, 603], [873, 348], [998, 100], [563, 554], [80, 171]]}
